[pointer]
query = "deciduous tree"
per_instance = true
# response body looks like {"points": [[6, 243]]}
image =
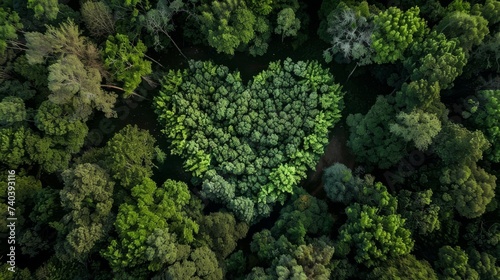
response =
{"points": [[98, 18], [453, 263], [339, 183], [370, 137], [470, 30], [287, 23], [126, 62], [87, 198], [394, 31], [149, 225], [129, 155], [10, 22], [417, 126], [46, 8]]}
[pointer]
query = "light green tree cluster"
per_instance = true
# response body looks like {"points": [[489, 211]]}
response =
{"points": [[394, 32], [151, 228], [46, 8], [249, 143], [126, 61], [374, 229]]}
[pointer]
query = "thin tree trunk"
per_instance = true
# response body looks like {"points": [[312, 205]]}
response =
{"points": [[119, 88], [150, 58], [172, 40]]}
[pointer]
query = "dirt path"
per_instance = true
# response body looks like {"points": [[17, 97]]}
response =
{"points": [[336, 151]]}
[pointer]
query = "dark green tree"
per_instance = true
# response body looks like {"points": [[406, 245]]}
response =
{"points": [[221, 232], [10, 22], [456, 145], [227, 24], [129, 155], [470, 30], [484, 113], [436, 59], [370, 137], [420, 94], [484, 263], [470, 187], [403, 268], [422, 216], [13, 146], [453, 263], [340, 184], [87, 198], [200, 264], [12, 111]]}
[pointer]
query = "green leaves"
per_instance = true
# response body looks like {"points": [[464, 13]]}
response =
{"points": [[287, 23], [405, 267], [471, 187], [88, 197], [395, 30], [485, 115], [227, 24], [10, 22], [376, 237], [436, 59], [12, 111], [470, 30], [150, 226], [453, 264], [370, 138], [72, 84], [126, 61], [455, 144], [260, 138], [418, 127], [339, 183], [47, 8], [129, 155]]}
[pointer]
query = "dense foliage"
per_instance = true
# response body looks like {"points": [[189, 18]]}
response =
{"points": [[250, 144], [203, 139]]}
